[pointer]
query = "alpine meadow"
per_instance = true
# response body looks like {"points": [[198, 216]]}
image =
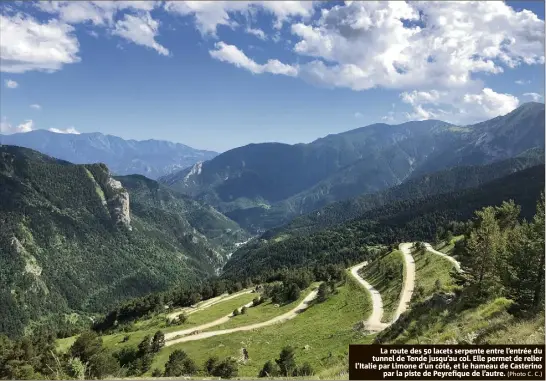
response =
{"points": [[257, 189]]}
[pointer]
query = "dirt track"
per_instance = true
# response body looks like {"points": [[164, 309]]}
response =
{"points": [[373, 323], [449, 258], [206, 304], [409, 280], [281, 318]]}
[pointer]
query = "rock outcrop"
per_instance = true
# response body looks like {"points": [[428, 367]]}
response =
{"points": [[118, 203]]}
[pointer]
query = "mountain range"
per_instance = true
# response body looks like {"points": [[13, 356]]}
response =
{"points": [[417, 218], [76, 238], [151, 158], [262, 186], [82, 237]]}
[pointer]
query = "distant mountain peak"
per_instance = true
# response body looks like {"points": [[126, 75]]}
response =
{"points": [[152, 158]]}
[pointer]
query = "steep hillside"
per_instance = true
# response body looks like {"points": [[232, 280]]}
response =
{"points": [[73, 238], [449, 180], [152, 158], [264, 185], [413, 219]]}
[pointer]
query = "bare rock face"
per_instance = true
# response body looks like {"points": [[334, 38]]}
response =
{"points": [[118, 203]]}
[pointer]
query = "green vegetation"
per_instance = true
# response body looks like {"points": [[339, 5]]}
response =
{"points": [[501, 299], [401, 221], [432, 275], [68, 247], [262, 312], [320, 336], [386, 274], [217, 311], [445, 181]]}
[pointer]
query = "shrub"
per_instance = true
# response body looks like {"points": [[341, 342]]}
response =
{"points": [[226, 369], [210, 364], [269, 370]]}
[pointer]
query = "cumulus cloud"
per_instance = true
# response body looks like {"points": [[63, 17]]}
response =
{"points": [[458, 107], [10, 84], [27, 44], [70, 130], [522, 82], [36, 106], [535, 97], [209, 15], [234, 56], [141, 30], [7, 128], [363, 45], [430, 50]]}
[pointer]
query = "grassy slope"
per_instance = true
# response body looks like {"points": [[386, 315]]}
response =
{"points": [[488, 323], [429, 268], [261, 313], [389, 289], [141, 328], [150, 326], [331, 331], [447, 247]]}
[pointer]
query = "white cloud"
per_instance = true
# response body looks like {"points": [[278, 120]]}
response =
{"points": [[27, 44], [431, 50], [142, 30], [10, 84], [458, 106], [70, 130], [209, 14], [8, 128], [534, 96], [96, 12], [231, 54], [522, 82], [36, 106], [139, 28], [256, 32], [358, 115], [363, 45]]}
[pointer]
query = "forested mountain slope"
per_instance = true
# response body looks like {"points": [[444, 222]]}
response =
{"points": [[399, 221], [73, 238], [265, 185], [449, 180]]}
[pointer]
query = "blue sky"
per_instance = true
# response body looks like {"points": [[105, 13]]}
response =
{"points": [[220, 75]]}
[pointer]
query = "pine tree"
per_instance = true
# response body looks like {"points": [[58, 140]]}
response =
{"points": [[483, 253], [158, 341]]}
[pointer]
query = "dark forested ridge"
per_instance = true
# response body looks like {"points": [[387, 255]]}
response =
{"points": [[449, 180], [400, 221], [262, 186], [72, 238]]}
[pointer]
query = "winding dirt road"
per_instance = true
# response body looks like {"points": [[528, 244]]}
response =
{"points": [[409, 280], [449, 258], [222, 320], [278, 319], [206, 304], [373, 323]]}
